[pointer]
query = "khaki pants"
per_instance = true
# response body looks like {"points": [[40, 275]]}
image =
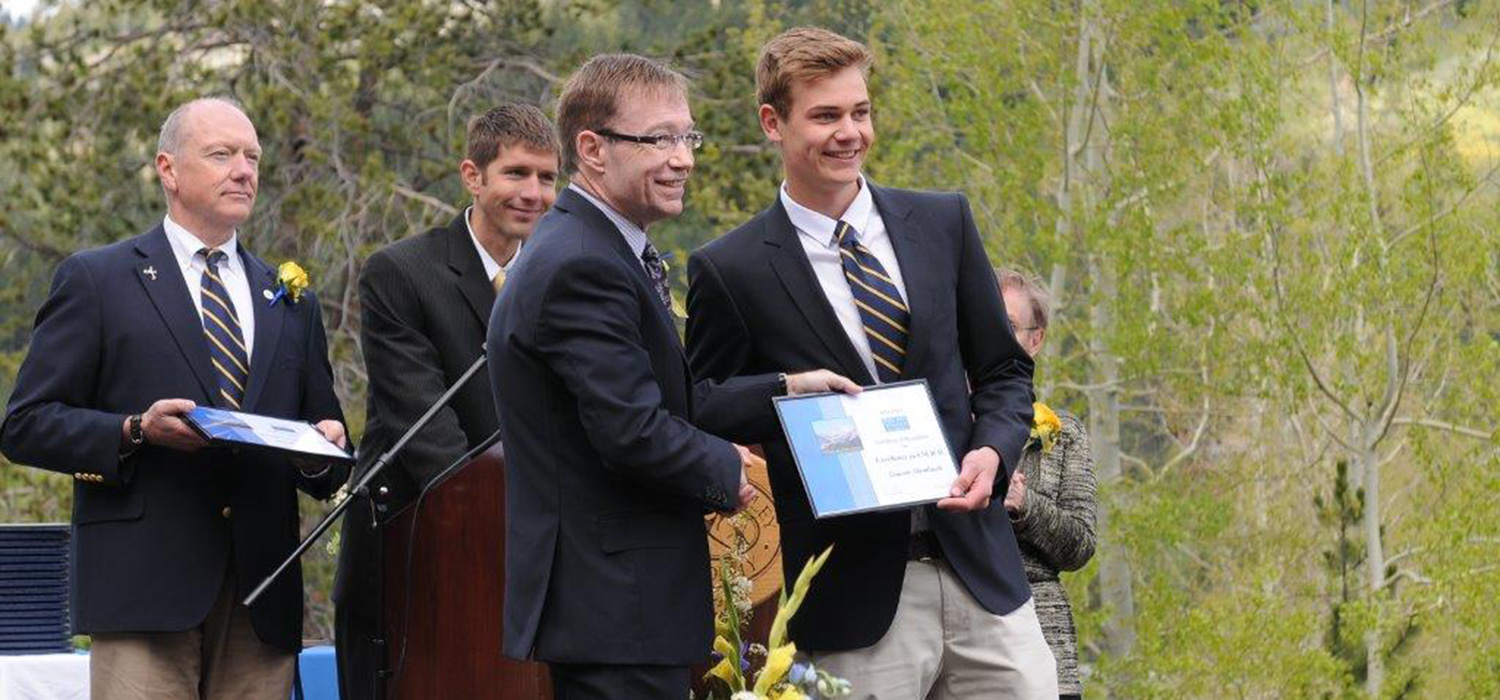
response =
{"points": [[221, 659], [943, 645]]}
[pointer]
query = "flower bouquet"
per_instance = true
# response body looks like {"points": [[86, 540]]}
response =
{"points": [[780, 675]]}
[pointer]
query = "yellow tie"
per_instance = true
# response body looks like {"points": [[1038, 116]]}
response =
{"points": [[499, 280]]}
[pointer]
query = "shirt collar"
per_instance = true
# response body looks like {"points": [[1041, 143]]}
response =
{"points": [[185, 245], [491, 268], [820, 227], [635, 236]]}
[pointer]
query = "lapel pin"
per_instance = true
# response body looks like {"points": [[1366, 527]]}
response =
{"points": [[150, 272], [267, 294]]}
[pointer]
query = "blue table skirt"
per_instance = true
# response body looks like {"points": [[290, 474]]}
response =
{"points": [[320, 676]]}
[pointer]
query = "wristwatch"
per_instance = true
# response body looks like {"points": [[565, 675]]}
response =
{"points": [[781, 386], [137, 436]]}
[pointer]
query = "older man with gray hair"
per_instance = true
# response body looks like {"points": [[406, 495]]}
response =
{"points": [[169, 532]]}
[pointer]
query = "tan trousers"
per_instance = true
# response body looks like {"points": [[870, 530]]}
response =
{"points": [[943, 645], [221, 659]]}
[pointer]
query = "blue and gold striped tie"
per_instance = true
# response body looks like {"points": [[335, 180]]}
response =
{"points": [[226, 344], [881, 309]]}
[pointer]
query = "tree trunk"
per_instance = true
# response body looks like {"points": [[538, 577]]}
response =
{"points": [[1369, 463], [1087, 144], [1115, 579]]}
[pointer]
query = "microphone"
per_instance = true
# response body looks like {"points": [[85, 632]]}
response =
{"points": [[362, 487]]}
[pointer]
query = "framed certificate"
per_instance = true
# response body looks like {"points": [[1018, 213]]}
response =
{"points": [[883, 449], [247, 430]]}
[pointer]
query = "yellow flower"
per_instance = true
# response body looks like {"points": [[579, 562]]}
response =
{"points": [[725, 647], [291, 280], [1045, 426], [728, 668], [788, 692], [789, 604], [723, 671], [778, 662]]}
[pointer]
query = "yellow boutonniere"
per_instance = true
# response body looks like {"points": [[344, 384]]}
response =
{"points": [[291, 281], [1045, 426]]}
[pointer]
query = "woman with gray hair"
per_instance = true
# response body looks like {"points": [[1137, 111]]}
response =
{"points": [[1051, 496]]}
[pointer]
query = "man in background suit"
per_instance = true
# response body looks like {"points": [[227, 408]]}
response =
{"points": [[425, 302], [168, 533], [606, 554], [884, 285]]}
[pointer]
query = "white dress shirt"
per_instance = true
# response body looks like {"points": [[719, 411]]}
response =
{"points": [[491, 268], [185, 247], [816, 233]]}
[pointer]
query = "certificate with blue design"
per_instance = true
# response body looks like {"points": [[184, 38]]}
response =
{"points": [[290, 437], [881, 450]]}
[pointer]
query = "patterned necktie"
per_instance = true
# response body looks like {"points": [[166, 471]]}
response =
{"points": [[881, 309], [499, 280], [657, 271], [226, 345]]}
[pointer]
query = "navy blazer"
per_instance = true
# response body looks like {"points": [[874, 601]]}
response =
{"points": [[755, 305], [607, 480], [154, 532]]}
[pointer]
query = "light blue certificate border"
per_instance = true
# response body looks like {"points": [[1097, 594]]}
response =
{"points": [[833, 470]]}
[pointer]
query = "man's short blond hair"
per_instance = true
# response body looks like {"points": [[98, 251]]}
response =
{"points": [[590, 99], [804, 55]]}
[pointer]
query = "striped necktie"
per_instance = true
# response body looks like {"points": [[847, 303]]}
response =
{"points": [[881, 309], [226, 344]]}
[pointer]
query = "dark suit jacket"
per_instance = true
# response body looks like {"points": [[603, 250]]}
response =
{"points": [[153, 533], [606, 556], [754, 305], [424, 304]]}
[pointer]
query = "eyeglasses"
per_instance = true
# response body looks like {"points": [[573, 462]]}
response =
{"points": [[1018, 328], [662, 142]]}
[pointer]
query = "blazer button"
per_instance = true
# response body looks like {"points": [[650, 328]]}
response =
{"points": [[226, 512]]}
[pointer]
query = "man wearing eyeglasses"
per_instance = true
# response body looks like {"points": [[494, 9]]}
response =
{"points": [[607, 568]]}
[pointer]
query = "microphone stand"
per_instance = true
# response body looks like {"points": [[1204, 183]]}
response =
{"points": [[362, 487]]}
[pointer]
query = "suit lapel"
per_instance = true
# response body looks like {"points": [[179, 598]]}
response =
{"points": [[914, 261], [574, 203], [268, 320], [464, 261], [162, 279], [790, 263]]}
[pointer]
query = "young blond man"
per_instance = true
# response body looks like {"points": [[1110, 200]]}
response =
{"points": [[881, 285]]}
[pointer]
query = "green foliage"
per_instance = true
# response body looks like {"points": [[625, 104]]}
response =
{"points": [[1236, 230]]}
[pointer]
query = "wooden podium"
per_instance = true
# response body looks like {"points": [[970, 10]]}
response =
{"points": [[451, 610], [449, 613]]}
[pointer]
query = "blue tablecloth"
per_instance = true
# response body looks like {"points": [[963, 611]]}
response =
{"points": [[320, 676], [66, 676]]}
